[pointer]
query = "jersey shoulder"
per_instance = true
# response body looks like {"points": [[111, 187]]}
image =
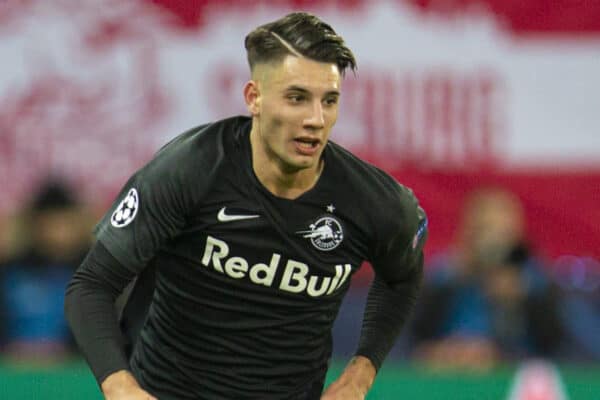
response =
{"points": [[392, 206], [370, 182], [196, 154], [204, 145]]}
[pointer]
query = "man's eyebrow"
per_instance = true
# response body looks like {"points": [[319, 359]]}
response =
{"points": [[295, 88]]}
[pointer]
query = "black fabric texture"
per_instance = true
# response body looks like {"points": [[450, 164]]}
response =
{"points": [[237, 289], [91, 312]]}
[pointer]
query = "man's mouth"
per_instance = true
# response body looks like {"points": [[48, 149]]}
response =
{"points": [[307, 143], [307, 146]]}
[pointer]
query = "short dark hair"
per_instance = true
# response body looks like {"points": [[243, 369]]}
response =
{"points": [[306, 34]]}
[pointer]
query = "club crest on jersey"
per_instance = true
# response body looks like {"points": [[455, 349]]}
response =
{"points": [[126, 211], [325, 234]]}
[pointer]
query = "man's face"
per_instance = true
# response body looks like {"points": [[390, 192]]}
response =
{"points": [[296, 107], [493, 227]]}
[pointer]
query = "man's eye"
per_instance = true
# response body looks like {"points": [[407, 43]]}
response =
{"points": [[296, 98], [331, 101]]}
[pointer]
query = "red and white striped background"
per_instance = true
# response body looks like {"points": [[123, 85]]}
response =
{"points": [[450, 96]]}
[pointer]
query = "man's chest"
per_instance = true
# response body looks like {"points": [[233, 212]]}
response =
{"points": [[307, 246]]}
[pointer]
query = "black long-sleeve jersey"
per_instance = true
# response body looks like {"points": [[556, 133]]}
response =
{"points": [[248, 284]]}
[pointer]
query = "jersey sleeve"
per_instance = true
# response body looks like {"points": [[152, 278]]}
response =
{"points": [[399, 246], [398, 265], [150, 209]]}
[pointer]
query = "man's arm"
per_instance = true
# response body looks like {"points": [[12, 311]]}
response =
{"points": [[388, 307], [122, 385], [90, 310], [151, 209], [397, 260], [355, 381], [398, 264]]}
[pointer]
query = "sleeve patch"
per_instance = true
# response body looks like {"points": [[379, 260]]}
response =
{"points": [[127, 210], [422, 229]]}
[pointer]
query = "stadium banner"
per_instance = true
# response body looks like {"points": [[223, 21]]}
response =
{"points": [[447, 98]]}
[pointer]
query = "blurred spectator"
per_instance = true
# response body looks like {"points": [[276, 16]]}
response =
{"points": [[10, 237], [4, 239], [33, 281], [579, 281], [488, 300]]}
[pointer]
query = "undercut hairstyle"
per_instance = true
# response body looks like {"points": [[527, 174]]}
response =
{"points": [[300, 34]]}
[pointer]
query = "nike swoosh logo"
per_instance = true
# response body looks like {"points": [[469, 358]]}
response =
{"points": [[222, 217]]}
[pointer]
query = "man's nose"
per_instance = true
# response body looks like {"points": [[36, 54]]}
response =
{"points": [[316, 119]]}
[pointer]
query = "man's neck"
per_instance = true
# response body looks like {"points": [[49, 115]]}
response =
{"points": [[284, 184]]}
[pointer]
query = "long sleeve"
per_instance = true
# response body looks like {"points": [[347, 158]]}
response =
{"points": [[398, 264], [91, 312], [387, 309]]}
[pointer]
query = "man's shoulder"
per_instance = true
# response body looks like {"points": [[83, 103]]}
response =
{"points": [[203, 146], [192, 160], [367, 178], [383, 202], [205, 138]]}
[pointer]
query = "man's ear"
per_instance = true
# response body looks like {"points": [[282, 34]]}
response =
{"points": [[252, 97]]}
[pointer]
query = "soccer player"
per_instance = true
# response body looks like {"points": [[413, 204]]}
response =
{"points": [[252, 227]]}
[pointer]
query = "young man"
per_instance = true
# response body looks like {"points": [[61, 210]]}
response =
{"points": [[253, 227]]}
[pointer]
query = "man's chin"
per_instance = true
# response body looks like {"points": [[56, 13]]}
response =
{"points": [[298, 165]]}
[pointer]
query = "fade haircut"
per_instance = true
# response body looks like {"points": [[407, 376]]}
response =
{"points": [[300, 34]]}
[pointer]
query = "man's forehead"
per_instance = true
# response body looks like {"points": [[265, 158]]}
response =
{"points": [[301, 72]]}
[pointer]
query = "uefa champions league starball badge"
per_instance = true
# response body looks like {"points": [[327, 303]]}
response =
{"points": [[126, 211]]}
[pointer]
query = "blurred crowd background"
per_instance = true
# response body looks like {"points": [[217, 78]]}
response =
{"points": [[487, 109]]}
